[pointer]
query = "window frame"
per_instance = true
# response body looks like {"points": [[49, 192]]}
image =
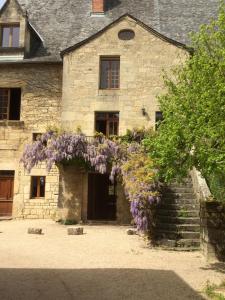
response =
{"points": [[108, 120], [11, 26], [8, 105], [157, 122], [109, 82], [38, 195], [9, 91], [36, 136]]}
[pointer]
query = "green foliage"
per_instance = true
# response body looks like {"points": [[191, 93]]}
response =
{"points": [[142, 190], [192, 133], [216, 182], [67, 222], [182, 214], [136, 135], [139, 174], [211, 291]]}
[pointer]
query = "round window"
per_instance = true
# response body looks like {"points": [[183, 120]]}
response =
{"points": [[126, 34]]}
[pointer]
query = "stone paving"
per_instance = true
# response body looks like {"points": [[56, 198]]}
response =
{"points": [[103, 264]]}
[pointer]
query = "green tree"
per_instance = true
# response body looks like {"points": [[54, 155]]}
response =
{"points": [[192, 133]]}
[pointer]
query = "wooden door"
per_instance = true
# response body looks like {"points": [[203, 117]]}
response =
{"points": [[101, 198], [6, 196]]}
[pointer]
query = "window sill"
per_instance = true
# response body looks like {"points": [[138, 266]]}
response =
{"points": [[11, 49], [108, 91], [11, 123]]}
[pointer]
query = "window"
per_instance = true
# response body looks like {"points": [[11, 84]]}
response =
{"points": [[36, 136], [107, 123], [37, 186], [158, 119], [126, 34], [109, 73], [9, 35], [10, 101]]}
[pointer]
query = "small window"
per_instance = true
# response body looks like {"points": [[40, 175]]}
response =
{"points": [[9, 36], [10, 102], [37, 186], [158, 119], [107, 123], [109, 73], [126, 34], [36, 136]]}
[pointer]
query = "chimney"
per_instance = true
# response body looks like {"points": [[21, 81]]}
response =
{"points": [[98, 6]]}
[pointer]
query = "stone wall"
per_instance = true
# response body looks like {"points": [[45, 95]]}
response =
{"points": [[73, 196], [40, 108], [72, 193], [212, 216], [41, 86], [123, 206], [213, 230], [141, 63], [39, 208]]}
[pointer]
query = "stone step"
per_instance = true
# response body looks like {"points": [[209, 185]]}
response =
{"points": [[171, 195], [188, 244], [173, 235], [184, 182], [178, 220], [178, 189], [178, 227], [180, 185], [175, 213], [176, 206], [179, 201]]}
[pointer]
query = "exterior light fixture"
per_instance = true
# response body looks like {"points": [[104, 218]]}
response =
{"points": [[143, 111]]}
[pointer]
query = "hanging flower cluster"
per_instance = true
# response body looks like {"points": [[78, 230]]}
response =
{"points": [[53, 148], [141, 188], [126, 160]]}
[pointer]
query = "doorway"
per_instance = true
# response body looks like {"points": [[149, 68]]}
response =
{"points": [[6, 193], [101, 197]]}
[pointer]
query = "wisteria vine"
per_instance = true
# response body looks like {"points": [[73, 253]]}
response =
{"points": [[121, 159]]}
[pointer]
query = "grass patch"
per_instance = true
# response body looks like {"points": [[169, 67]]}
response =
{"points": [[67, 222], [182, 213], [213, 291]]}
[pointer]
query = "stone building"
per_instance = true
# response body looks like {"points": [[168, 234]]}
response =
{"points": [[92, 64]]}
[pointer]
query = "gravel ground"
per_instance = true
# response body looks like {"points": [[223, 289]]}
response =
{"points": [[104, 263]]}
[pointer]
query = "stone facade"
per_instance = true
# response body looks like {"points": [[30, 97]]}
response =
{"points": [[212, 220], [213, 230], [68, 94], [142, 60], [40, 109]]}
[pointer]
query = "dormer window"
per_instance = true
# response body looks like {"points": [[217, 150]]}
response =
{"points": [[9, 35]]}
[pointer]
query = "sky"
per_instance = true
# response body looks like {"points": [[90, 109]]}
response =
{"points": [[1, 3]]}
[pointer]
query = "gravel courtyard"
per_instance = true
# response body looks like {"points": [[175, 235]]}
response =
{"points": [[104, 263]]}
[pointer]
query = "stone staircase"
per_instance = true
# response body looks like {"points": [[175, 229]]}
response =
{"points": [[177, 218]]}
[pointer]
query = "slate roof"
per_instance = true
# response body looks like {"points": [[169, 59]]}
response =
{"points": [[64, 23]]}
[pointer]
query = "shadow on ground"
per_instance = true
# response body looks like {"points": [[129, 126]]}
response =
{"points": [[218, 267], [94, 284]]}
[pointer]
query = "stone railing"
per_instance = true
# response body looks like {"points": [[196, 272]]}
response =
{"points": [[212, 214]]}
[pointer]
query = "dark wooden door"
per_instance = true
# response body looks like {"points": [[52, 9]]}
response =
{"points": [[6, 196], [101, 197]]}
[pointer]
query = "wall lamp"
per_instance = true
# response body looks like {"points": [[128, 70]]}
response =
{"points": [[144, 113]]}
